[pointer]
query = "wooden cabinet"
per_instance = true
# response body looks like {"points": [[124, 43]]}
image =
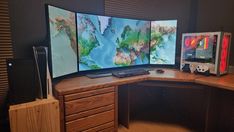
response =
{"points": [[90, 110], [221, 111], [37, 116]]}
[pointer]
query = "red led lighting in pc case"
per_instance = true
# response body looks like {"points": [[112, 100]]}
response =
{"points": [[224, 53], [206, 51]]}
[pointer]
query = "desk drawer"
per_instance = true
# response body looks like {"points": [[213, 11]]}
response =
{"points": [[90, 122], [107, 126], [89, 112], [83, 104], [88, 93]]}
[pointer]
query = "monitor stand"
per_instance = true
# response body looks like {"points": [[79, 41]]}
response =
{"points": [[98, 75]]}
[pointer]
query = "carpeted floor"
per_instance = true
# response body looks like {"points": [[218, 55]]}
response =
{"points": [[156, 121], [144, 126]]}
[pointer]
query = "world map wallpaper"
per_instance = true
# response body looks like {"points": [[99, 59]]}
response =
{"points": [[63, 41], [163, 42], [107, 42]]}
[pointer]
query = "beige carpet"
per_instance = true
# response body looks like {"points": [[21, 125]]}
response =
{"points": [[156, 121], [144, 126]]}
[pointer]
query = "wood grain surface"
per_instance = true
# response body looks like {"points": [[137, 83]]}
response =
{"points": [[81, 84], [80, 105], [223, 82], [37, 116], [90, 121]]}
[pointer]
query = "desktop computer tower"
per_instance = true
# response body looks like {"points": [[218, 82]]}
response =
{"points": [[21, 79], [206, 51]]}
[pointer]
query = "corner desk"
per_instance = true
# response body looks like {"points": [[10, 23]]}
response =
{"points": [[92, 104]]}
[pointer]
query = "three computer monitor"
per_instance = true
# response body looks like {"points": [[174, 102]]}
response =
{"points": [[84, 42]]}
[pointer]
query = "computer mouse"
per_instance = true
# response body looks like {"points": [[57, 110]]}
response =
{"points": [[160, 71]]}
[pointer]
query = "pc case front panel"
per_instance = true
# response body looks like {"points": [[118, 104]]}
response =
{"points": [[224, 52]]}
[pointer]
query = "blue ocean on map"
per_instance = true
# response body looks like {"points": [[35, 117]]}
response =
{"points": [[163, 42], [106, 42]]}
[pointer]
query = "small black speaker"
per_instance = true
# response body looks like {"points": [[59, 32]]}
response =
{"points": [[21, 78]]}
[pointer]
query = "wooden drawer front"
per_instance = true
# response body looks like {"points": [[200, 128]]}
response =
{"points": [[88, 93], [92, 102], [90, 121], [89, 112], [110, 129], [109, 126]]}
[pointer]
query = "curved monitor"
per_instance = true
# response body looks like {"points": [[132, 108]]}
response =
{"points": [[163, 42], [63, 43], [109, 42]]}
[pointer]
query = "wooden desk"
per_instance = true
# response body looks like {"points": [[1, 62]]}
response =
{"points": [[102, 93], [224, 82]]}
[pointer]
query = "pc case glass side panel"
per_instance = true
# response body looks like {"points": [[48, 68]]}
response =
{"points": [[63, 43], [163, 42], [108, 42], [200, 49]]}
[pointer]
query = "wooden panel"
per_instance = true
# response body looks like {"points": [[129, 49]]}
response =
{"points": [[173, 75], [62, 113], [89, 122], [116, 109], [5, 47], [111, 129], [220, 115], [81, 84], [102, 127], [142, 97], [70, 86], [88, 93], [37, 116], [123, 106], [169, 84], [223, 82], [190, 104], [225, 111], [89, 112], [83, 104]]}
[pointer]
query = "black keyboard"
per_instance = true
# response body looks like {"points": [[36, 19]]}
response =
{"points": [[98, 75], [129, 73]]}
